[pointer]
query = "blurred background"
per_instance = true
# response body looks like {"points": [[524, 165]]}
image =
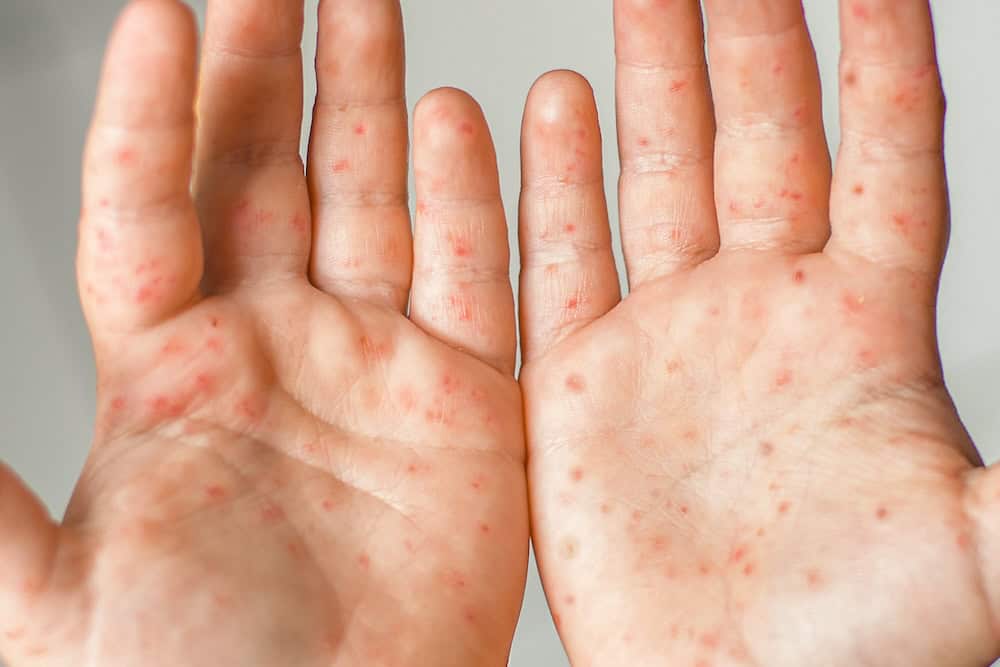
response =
{"points": [[50, 52]]}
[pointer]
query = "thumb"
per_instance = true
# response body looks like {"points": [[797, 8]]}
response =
{"points": [[27, 542], [983, 508]]}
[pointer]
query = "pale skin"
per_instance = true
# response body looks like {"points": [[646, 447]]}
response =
{"points": [[289, 468], [751, 460], [310, 445]]}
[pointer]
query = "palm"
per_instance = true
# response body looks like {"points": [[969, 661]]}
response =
{"points": [[770, 454], [752, 459], [285, 473]]}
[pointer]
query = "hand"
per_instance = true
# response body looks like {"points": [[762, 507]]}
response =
{"points": [[287, 470], [752, 459]]}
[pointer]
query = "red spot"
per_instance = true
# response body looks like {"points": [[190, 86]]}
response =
{"points": [[678, 85], [783, 379], [778, 69], [407, 399], [748, 570], [853, 304], [733, 206], [104, 202], [422, 207], [710, 640], [327, 505], [466, 128], [125, 156], [570, 600], [573, 303], [296, 550], [250, 408], [272, 513], [118, 404], [163, 407], [484, 528], [636, 515], [477, 483], [412, 469], [216, 492], [570, 228], [684, 509], [360, 129], [673, 366], [299, 223], [860, 11], [605, 508], [643, 142], [204, 382], [799, 277], [705, 569], [461, 306], [963, 541], [461, 247], [881, 513], [784, 507], [215, 322], [814, 578], [340, 166], [738, 554], [214, 344], [850, 79], [576, 474], [858, 189], [576, 384], [766, 449], [901, 222], [364, 562]]}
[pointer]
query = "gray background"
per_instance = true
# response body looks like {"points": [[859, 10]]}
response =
{"points": [[50, 53]]}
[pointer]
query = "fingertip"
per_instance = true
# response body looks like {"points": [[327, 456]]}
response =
{"points": [[453, 148], [556, 96], [447, 118]]}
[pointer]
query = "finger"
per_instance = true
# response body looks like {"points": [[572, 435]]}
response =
{"points": [[362, 246], [568, 274], [27, 544], [666, 134], [772, 163], [890, 202], [249, 182], [140, 257], [461, 269]]}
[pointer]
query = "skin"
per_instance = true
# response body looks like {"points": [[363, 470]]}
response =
{"points": [[287, 469], [752, 459]]}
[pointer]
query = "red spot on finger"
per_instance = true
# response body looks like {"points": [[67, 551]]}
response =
{"points": [[882, 514], [643, 142], [783, 379], [858, 189], [678, 85], [576, 474], [125, 157], [850, 79], [299, 223], [216, 492], [799, 277], [570, 228], [340, 166], [737, 554], [784, 507], [466, 128], [364, 561], [118, 404], [576, 384], [766, 449], [360, 129], [860, 11], [271, 513], [462, 248]]}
